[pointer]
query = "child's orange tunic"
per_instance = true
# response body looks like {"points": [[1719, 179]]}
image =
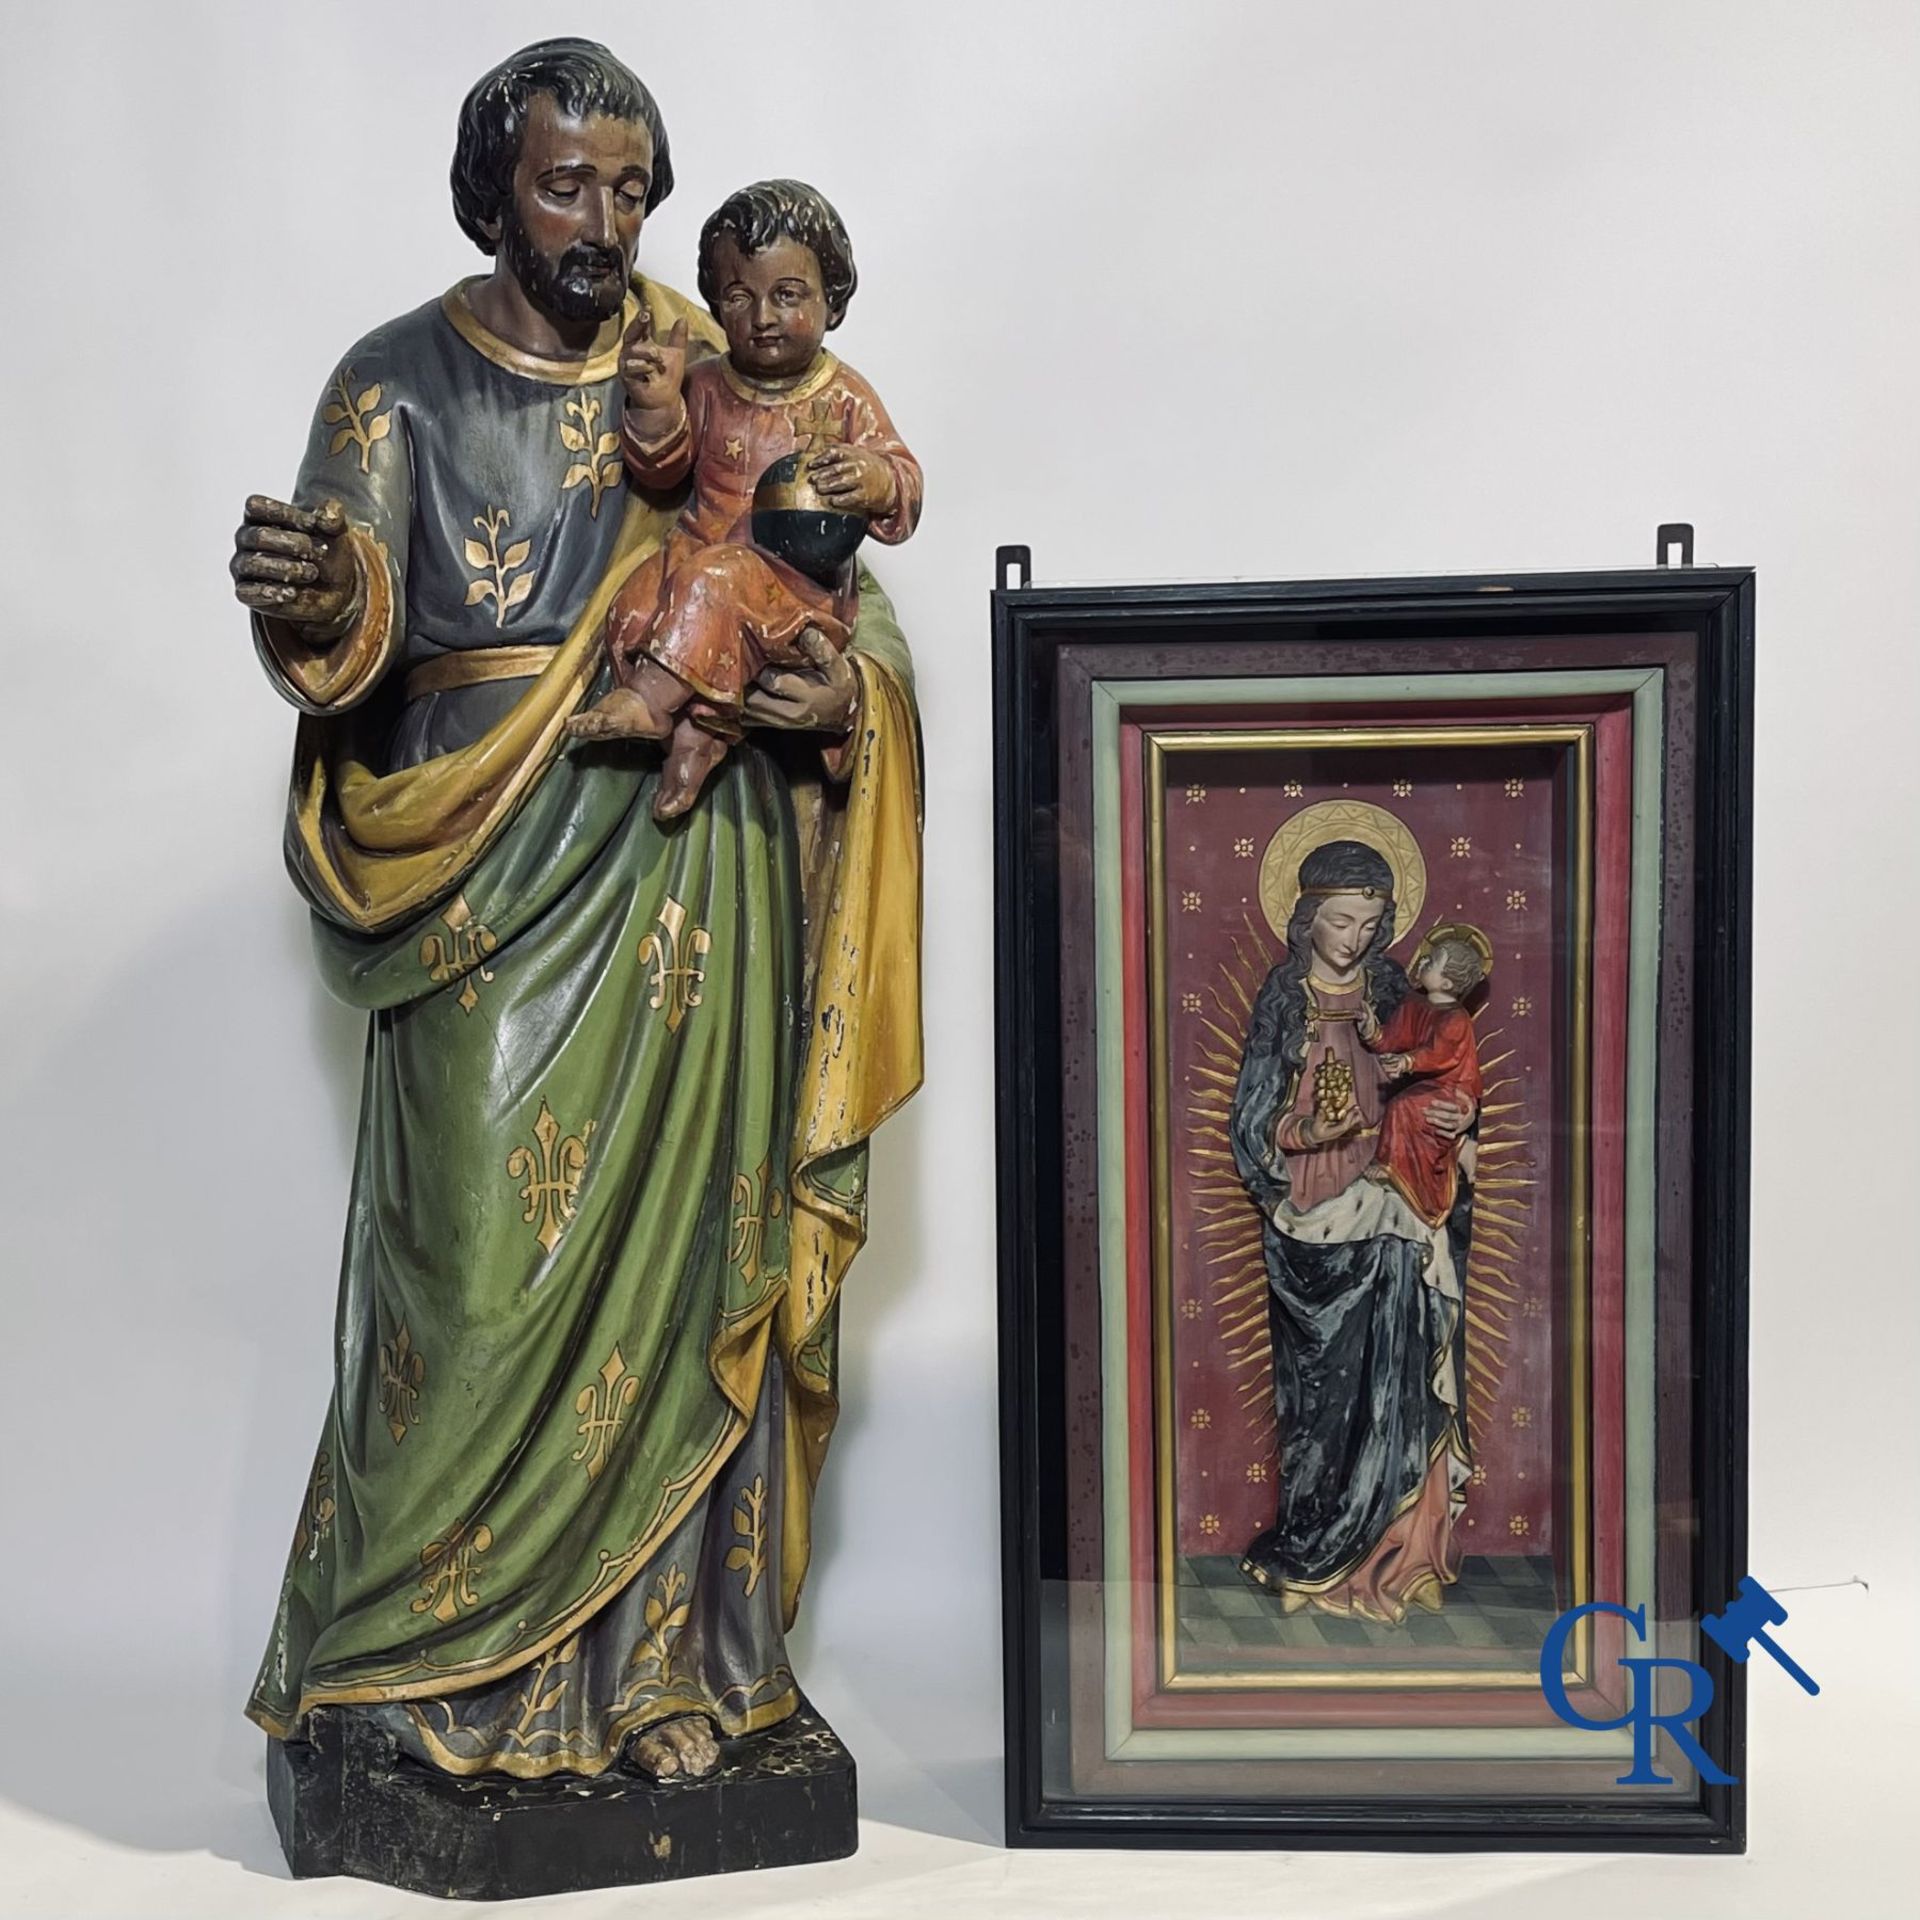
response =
{"points": [[711, 607], [1445, 1067]]}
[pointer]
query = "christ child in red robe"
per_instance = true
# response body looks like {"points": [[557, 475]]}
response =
{"points": [[1427, 1042], [695, 626]]}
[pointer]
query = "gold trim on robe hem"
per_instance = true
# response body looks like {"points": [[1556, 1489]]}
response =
{"points": [[565, 1759]]}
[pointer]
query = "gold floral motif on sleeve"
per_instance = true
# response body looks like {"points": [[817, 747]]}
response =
{"points": [[353, 419], [494, 566], [597, 464]]}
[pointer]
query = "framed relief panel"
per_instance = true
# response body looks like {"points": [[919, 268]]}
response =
{"points": [[1373, 1057]]}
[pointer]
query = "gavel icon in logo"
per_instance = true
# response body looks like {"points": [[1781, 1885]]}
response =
{"points": [[1743, 1626]]}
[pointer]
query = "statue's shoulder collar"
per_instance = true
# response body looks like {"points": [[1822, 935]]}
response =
{"points": [[599, 365]]}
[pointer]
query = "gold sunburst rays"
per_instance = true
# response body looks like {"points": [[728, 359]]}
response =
{"points": [[1502, 1215], [1228, 1223]]}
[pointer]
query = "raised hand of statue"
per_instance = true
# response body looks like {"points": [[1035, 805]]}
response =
{"points": [[815, 699], [653, 371], [854, 479], [294, 563]]}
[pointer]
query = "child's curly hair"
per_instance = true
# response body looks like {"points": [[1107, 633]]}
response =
{"points": [[770, 210], [1460, 961]]}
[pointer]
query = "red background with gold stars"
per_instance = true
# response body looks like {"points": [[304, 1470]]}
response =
{"points": [[1488, 824]]}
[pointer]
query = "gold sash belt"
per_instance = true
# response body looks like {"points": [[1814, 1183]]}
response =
{"points": [[475, 667]]}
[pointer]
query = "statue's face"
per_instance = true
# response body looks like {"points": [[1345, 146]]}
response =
{"points": [[773, 305], [1343, 929], [572, 226]]}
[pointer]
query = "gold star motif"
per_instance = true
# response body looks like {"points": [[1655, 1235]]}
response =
{"points": [[736, 448]]}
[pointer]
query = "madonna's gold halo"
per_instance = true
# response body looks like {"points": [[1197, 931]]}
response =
{"points": [[1388, 835]]}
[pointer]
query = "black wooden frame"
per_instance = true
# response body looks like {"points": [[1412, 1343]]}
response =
{"points": [[1030, 624]]}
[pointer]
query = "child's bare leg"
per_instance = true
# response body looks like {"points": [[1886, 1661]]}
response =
{"points": [[642, 709], [692, 754]]}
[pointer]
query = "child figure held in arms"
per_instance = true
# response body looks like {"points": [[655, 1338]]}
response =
{"points": [[693, 629], [1428, 1042]]}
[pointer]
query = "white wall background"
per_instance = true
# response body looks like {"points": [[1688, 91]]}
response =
{"points": [[1183, 291]]}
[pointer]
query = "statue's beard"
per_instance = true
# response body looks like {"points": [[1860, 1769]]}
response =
{"points": [[584, 283]]}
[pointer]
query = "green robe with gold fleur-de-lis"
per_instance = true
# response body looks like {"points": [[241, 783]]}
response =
{"points": [[620, 1078]]}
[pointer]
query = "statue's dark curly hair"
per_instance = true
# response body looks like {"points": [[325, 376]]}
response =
{"points": [[583, 78]]}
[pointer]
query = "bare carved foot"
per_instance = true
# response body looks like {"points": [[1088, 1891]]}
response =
{"points": [[681, 1749], [622, 715], [693, 755]]}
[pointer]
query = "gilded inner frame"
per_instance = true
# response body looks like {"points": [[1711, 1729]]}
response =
{"points": [[1160, 744]]}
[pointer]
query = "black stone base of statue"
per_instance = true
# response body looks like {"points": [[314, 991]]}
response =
{"points": [[345, 1800]]}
